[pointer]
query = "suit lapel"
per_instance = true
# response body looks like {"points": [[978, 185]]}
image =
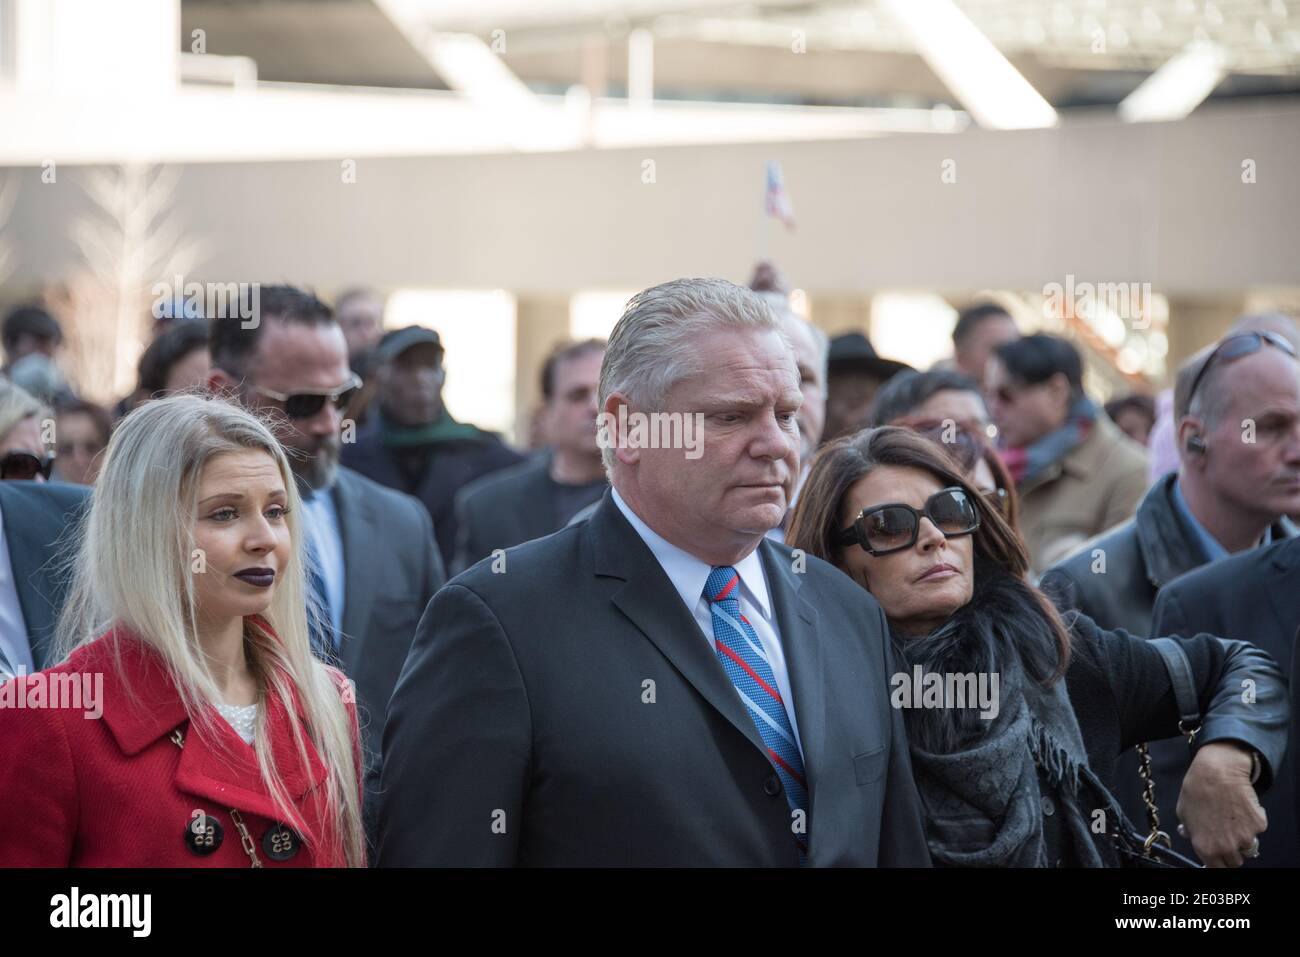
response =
{"points": [[796, 620], [650, 602], [356, 529]]}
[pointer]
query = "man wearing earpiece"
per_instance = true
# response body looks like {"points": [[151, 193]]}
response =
{"points": [[1237, 415]]}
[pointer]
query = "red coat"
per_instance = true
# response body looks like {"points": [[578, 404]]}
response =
{"points": [[117, 791]]}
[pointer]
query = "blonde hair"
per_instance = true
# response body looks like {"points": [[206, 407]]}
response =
{"points": [[135, 569], [17, 404]]}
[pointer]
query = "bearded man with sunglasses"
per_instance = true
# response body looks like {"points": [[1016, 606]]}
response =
{"points": [[376, 560]]}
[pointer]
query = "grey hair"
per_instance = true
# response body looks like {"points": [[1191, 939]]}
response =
{"points": [[654, 344], [1210, 403]]}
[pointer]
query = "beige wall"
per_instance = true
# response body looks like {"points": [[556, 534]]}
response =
{"points": [[1105, 201]]}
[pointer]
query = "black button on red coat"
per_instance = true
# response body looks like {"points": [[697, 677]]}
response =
{"points": [[280, 842], [203, 834]]}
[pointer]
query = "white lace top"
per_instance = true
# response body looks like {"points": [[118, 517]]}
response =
{"points": [[242, 718]]}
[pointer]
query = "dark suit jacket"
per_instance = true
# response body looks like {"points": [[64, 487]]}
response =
{"points": [[1140, 557], [506, 508], [523, 730], [391, 570], [1255, 597], [39, 524]]}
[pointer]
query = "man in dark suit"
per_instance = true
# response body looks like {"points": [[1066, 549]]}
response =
{"points": [[38, 520], [1255, 597], [374, 549], [530, 500], [660, 684]]}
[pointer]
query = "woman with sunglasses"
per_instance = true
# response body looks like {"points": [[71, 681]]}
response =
{"points": [[23, 455], [1025, 782], [221, 740]]}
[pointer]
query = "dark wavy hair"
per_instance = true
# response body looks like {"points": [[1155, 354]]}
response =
{"points": [[1006, 614]]}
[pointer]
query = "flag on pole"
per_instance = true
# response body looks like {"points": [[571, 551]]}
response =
{"points": [[776, 199]]}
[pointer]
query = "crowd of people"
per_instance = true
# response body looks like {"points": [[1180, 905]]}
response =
{"points": [[964, 617]]}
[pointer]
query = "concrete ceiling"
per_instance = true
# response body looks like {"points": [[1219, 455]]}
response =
{"points": [[1075, 52]]}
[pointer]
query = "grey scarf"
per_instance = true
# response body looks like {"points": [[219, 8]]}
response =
{"points": [[984, 802], [983, 781]]}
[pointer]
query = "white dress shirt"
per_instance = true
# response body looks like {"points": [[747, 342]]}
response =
{"points": [[14, 642], [689, 575]]}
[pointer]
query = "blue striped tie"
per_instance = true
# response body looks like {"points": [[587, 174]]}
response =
{"points": [[746, 664]]}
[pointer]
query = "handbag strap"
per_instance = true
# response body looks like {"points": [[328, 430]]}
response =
{"points": [[1189, 723], [1180, 677]]}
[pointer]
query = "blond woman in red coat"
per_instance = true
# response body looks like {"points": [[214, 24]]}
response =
{"points": [[189, 723]]}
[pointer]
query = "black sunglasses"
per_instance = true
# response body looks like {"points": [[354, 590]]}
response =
{"points": [[25, 466], [883, 529], [1234, 347], [304, 405]]}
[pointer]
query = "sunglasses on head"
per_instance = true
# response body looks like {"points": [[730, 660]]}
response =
{"points": [[304, 405], [883, 529], [1234, 347], [25, 466]]}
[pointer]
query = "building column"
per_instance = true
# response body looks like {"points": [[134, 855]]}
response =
{"points": [[540, 323], [1196, 322], [837, 315]]}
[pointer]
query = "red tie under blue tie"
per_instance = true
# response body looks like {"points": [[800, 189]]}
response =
{"points": [[746, 664]]}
